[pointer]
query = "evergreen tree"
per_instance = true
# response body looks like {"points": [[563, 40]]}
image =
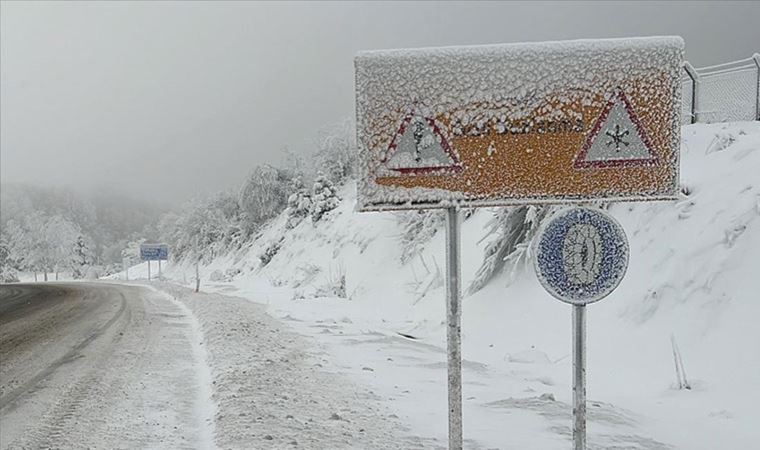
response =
{"points": [[299, 203], [81, 258], [324, 197]]}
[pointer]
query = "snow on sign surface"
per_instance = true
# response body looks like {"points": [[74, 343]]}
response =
{"points": [[419, 146], [519, 123], [617, 138], [581, 255]]}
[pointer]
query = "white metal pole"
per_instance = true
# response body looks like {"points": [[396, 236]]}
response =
{"points": [[126, 268], [148, 270], [197, 276], [159, 268], [454, 328], [756, 58], [579, 377]]}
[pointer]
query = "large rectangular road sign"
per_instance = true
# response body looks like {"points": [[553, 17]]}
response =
{"points": [[511, 124], [154, 252]]}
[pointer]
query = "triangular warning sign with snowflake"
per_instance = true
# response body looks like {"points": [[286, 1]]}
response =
{"points": [[616, 138], [419, 147]]}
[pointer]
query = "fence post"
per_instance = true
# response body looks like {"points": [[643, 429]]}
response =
{"points": [[694, 83], [756, 58]]}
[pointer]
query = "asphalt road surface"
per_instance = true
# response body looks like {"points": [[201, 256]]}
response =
{"points": [[97, 366]]}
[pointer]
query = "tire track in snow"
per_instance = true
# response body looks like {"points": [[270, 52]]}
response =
{"points": [[9, 399], [134, 385]]}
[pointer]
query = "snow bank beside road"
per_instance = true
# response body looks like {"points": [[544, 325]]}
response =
{"points": [[273, 392]]}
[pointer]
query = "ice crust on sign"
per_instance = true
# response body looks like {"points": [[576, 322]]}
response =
{"points": [[418, 147], [617, 140], [497, 86]]}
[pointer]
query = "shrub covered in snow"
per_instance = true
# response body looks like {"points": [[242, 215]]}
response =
{"points": [[334, 288], [269, 253], [418, 227], [511, 231], [216, 276], [324, 197], [299, 203]]}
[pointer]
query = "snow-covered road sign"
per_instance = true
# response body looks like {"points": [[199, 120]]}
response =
{"points": [[154, 252], [519, 123], [581, 255]]}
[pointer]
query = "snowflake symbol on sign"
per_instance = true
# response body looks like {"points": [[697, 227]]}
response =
{"points": [[617, 138]]}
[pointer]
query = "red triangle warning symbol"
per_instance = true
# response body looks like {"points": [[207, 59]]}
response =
{"points": [[616, 139], [419, 146]]}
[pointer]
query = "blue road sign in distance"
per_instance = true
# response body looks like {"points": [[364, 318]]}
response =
{"points": [[154, 252], [581, 255]]}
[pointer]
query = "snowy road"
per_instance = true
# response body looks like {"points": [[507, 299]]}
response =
{"points": [[98, 366], [126, 366]]}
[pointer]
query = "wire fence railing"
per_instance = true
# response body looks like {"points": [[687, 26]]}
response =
{"points": [[723, 93]]}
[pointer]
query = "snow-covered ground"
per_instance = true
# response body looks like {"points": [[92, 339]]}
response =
{"points": [[693, 275], [102, 366]]}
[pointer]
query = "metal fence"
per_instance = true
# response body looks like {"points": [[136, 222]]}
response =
{"points": [[723, 93]]}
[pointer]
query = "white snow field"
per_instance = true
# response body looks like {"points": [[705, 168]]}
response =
{"points": [[694, 274]]}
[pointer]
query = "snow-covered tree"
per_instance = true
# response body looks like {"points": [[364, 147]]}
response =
{"points": [[41, 243], [26, 241], [205, 228], [336, 151], [324, 197], [60, 235], [131, 252], [265, 193], [81, 258], [8, 271], [299, 203]]}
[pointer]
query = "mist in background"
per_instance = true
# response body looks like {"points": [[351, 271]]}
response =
{"points": [[167, 101]]}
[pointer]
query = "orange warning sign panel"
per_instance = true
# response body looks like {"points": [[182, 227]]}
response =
{"points": [[523, 123]]}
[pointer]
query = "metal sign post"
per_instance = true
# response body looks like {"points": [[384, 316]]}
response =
{"points": [[581, 257], [454, 326], [579, 377], [154, 252], [197, 276]]}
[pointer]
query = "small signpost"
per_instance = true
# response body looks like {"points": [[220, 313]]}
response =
{"points": [[581, 255], [538, 123], [154, 252]]}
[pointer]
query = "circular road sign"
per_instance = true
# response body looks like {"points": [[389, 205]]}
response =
{"points": [[581, 255]]}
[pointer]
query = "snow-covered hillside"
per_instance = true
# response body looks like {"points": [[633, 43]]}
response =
{"points": [[693, 274]]}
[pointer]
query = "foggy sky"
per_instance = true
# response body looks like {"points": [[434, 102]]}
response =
{"points": [[171, 100]]}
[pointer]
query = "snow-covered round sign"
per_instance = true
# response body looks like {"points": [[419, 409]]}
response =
{"points": [[581, 255], [544, 122]]}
